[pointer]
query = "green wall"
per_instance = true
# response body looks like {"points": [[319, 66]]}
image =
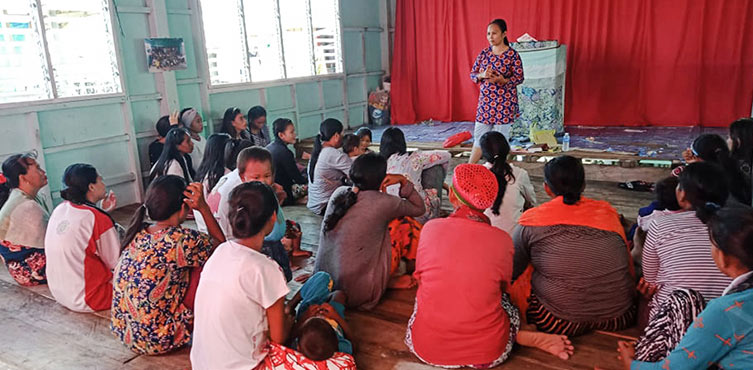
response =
{"points": [[113, 133]]}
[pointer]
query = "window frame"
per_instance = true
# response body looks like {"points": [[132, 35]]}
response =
{"points": [[236, 86], [53, 88]]}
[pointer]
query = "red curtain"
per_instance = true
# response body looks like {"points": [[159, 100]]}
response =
{"points": [[629, 62]]}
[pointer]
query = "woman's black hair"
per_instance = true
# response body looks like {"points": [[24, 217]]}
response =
{"points": [[713, 148], [502, 27], [280, 125], [252, 204], [213, 163], [731, 231], [495, 149], [350, 142], [233, 147], [163, 126], [13, 167], [164, 197], [77, 178], [367, 173], [566, 177], [327, 129], [364, 131], [665, 194], [227, 124], [170, 152], [704, 191], [256, 112], [741, 133], [392, 142]]}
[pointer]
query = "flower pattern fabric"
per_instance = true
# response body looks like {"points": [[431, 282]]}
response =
{"points": [[412, 166], [151, 281], [282, 358], [498, 104], [25, 264]]}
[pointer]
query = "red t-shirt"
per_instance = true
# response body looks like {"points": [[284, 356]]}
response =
{"points": [[461, 265]]}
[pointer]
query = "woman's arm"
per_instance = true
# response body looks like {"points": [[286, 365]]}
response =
{"points": [[529, 193], [476, 69], [430, 158], [650, 256], [291, 169], [195, 199], [410, 203], [280, 323], [517, 77], [521, 258]]}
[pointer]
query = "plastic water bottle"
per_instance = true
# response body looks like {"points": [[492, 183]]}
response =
{"points": [[566, 142]]}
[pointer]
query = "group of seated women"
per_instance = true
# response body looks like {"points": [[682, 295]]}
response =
{"points": [[499, 270]]}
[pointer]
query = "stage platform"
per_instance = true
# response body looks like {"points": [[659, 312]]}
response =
{"points": [[619, 143]]}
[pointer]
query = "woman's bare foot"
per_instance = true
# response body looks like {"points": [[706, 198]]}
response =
{"points": [[401, 282], [557, 345]]}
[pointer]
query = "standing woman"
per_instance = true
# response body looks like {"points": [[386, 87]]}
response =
{"points": [[23, 219], [499, 71]]}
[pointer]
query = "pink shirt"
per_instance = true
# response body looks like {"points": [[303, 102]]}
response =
{"points": [[461, 265]]}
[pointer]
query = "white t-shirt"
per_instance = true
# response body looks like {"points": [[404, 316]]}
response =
{"points": [[173, 168], [517, 194], [212, 198], [198, 152], [237, 286], [226, 185], [82, 249]]}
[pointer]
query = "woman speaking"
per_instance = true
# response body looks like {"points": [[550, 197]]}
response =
{"points": [[499, 71]]}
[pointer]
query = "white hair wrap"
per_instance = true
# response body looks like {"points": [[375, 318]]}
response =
{"points": [[188, 116]]}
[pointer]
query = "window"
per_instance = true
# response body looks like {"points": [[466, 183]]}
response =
{"points": [[74, 37], [264, 40]]}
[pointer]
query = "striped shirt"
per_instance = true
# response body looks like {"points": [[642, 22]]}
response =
{"points": [[677, 254], [580, 274]]}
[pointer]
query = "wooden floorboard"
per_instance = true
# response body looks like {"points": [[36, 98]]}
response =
{"points": [[37, 333]]}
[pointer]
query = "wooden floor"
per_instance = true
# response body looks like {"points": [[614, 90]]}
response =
{"points": [[37, 333]]}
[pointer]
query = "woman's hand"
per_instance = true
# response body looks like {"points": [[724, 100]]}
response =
{"points": [[487, 73], [627, 353], [174, 118], [499, 79], [110, 202], [392, 179], [305, 156], [646, 289], [195, 197], [280, 192], [689, 157]]}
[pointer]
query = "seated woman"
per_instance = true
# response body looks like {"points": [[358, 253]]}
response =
{"points": [[241, 318], [328, 166], [741, 145], [515, 193], [191, 120], [287, 173], [364, 135], [676, 249], [478, 327], [257, 126], [163, 126], [680, 338], [157, 275], [582, 273], [412, 165], [713, 148], [174, 159], [234, 124], [354, 244], [82, 243], [210, 172], [23, 219]]}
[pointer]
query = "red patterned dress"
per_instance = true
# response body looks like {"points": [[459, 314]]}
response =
{"points": [[498, 104]]}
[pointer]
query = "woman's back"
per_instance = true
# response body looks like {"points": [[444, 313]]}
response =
{"points": [[465, 280], [331, 168], [677, 254], [357, 251], [518, 194], [23, 220], [82, 249]]}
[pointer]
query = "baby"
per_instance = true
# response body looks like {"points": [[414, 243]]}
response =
{"points": [[320, 329]]}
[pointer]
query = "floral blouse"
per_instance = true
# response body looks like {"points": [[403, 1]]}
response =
{"points": [[498, 104], [412, 165], [151, 280]]}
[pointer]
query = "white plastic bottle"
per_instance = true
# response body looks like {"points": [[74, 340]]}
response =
{"points": [[566, 142]]}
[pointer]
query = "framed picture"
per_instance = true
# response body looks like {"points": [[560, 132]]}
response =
{"points": [[165, 54]]}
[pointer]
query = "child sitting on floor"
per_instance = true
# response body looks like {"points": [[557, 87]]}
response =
{"points": [[352, 146], [320, 329], [665, 203]]}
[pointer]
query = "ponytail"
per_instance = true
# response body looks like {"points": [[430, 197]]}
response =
{"points": [[327, 129], [4, 192], [495, 149], [367, 173], [340, 206], [137, 224]]}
